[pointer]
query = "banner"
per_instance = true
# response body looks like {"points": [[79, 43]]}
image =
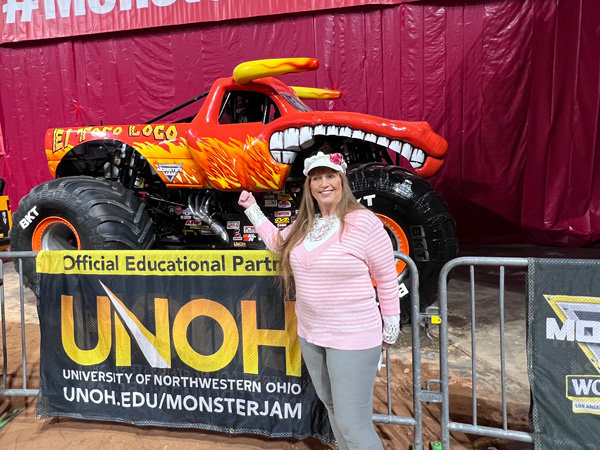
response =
{"points": [[182, 339], [40, 19], [563, 346]]}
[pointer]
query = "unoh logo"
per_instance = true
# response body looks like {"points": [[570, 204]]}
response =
{"points": [[156, 348]]}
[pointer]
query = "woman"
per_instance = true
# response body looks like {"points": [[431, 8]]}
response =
{"points": [[334, 248]]}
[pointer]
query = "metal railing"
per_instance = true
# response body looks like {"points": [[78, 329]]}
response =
{"points": [[4, 390], [474, 428], [419, 395], [416, 420]]}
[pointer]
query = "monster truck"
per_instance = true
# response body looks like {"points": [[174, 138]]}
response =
{"points": [[175, 185]]}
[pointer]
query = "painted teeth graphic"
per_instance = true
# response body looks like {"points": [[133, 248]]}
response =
{"points": [[332, 130], [283, 157], [417, 157], [357, 134], [383, 141], [291, 139], [285, 145]]}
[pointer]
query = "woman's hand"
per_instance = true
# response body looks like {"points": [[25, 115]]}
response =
{"points": [[391, 330], [246, 199]]}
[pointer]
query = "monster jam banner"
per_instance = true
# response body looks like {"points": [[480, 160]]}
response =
{"points": [[563, 348], [40, 19], [186, 339]]}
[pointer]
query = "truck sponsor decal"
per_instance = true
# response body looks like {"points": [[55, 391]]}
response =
{"points": [[170, 171]]}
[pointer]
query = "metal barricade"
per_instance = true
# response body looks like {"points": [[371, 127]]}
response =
{"points": [[419, 395], [5, 390], [417, 420], [474, 428]]}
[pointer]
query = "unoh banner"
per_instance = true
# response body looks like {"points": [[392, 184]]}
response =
{"points": [[563, 349], [186, 339], [40, 19]]}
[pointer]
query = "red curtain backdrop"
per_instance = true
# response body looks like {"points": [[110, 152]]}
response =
{"points": [[512, 85], [29, 19]]}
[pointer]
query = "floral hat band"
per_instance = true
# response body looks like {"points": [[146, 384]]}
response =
{"points": [[334, 161]]}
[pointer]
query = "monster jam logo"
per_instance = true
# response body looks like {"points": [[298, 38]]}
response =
{"points": [[581, 324], [170, 171]]}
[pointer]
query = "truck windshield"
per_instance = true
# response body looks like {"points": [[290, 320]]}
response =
{"points": [[296, 103]]}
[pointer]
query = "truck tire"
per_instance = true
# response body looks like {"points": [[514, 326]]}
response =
{"points": [[417, 220], [78, 213]]}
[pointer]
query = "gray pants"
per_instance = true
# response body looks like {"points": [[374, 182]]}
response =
{"points": [[344, 381]]}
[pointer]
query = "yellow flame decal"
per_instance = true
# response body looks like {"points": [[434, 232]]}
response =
{"points": [[308, 93], [235, 165], [146, 148], [215, 162], [179, 154]]}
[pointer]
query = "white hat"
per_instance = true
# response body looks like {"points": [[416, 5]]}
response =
{"points": [[334, 161]]}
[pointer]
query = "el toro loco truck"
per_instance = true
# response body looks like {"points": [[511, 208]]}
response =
{"points": [[175, 185]]}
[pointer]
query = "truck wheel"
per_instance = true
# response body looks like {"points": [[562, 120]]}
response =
{"points": [[417, 220], [78, 213]]}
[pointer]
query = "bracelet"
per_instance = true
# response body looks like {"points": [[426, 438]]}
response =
{"points": [[391, 328], [255, 214]]}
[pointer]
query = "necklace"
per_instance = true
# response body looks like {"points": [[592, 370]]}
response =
{"points": [[321, 227]]}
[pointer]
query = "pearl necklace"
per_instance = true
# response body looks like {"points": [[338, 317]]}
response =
{"points": [[321, 227]]}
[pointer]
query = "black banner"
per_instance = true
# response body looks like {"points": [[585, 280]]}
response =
{"points": [[186, 339], [563, 329]]}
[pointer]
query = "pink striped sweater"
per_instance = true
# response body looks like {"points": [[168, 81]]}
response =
{"points": [[335, 298]]}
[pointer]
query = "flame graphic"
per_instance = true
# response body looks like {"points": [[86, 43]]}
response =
{"points": [[179, 152], [308, 93], [236, 166], [149, 148], [289, 64]]}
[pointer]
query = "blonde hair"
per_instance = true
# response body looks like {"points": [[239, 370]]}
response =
{"points": [[305, 221]]}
